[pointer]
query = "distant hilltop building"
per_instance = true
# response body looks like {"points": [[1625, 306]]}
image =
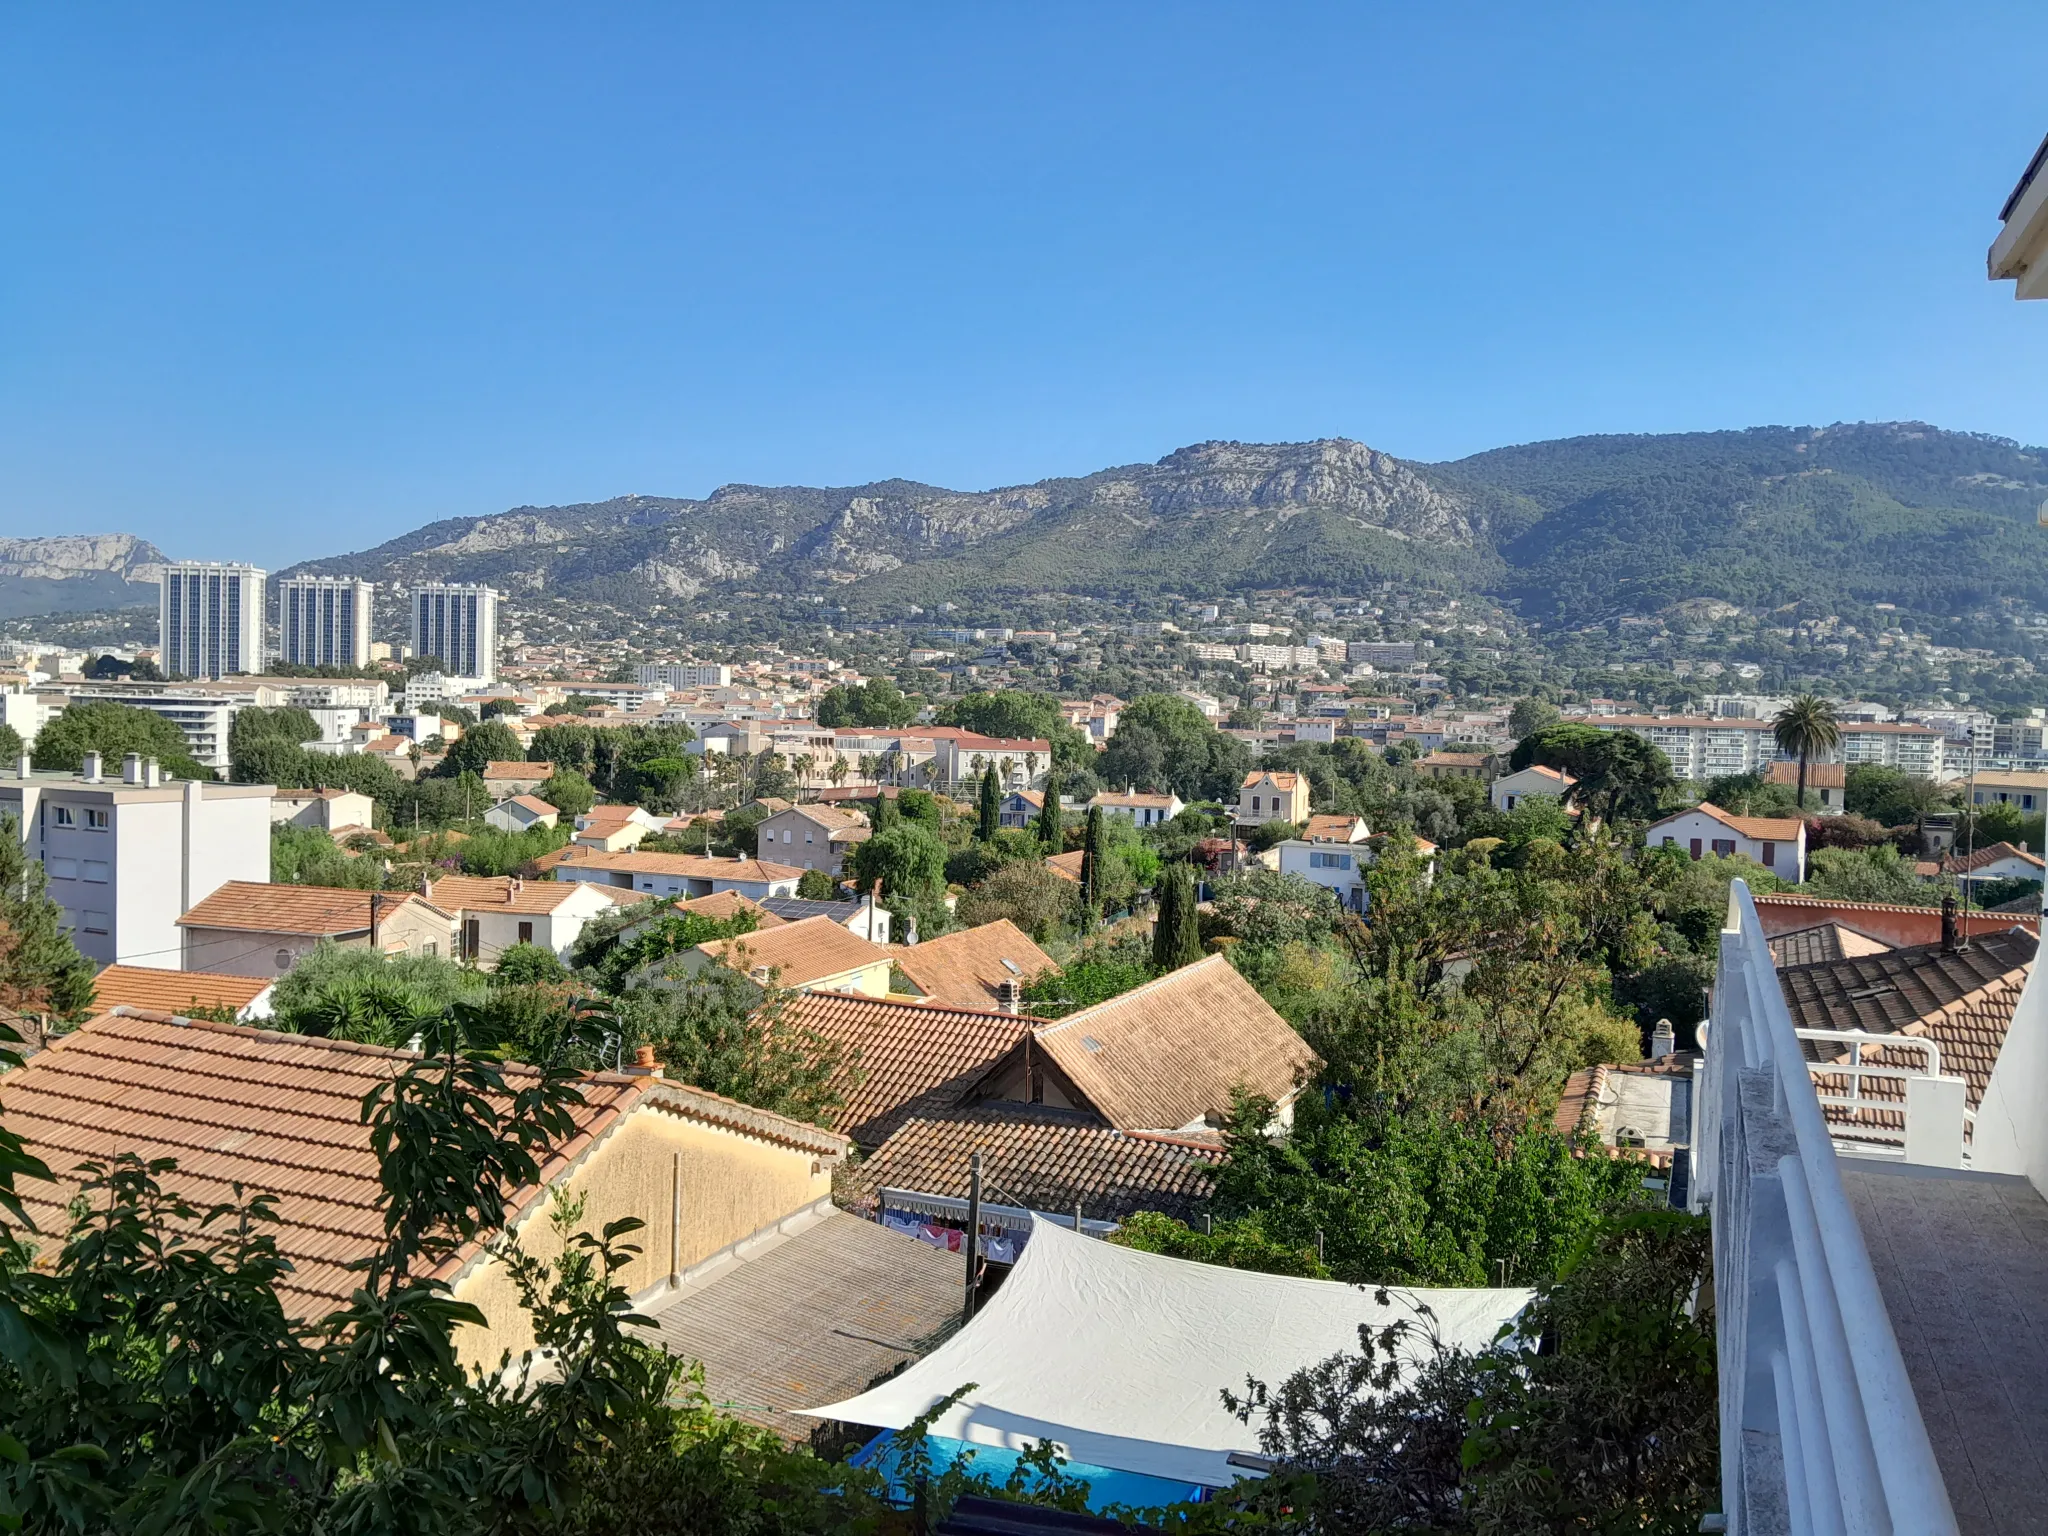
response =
{"points": [[324, 621], [677, 676], [210, 619], [459, 624]]}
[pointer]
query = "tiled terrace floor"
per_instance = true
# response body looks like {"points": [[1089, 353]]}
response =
{"points": [[1962, 1260]]}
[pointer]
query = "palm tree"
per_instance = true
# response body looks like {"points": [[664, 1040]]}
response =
{"points": [[1805, 727]]}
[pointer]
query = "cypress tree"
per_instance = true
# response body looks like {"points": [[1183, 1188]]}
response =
{"points": [[991, 805], [1048, 829], [1094, 848], [886, 812], [1177, 935]]}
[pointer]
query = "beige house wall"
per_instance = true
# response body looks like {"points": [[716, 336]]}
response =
{"points": [[733, 1185]]}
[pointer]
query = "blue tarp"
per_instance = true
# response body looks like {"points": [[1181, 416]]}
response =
{"points": [[1106, 1485]]}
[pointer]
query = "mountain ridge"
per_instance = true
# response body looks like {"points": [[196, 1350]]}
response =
{"points": [[1573, 530]]}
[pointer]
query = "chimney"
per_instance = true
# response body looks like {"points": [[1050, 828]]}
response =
{"points": [[644, 1064], [131, 768], [1010, 995], [152, 773], [24, 766], [1663, 1040], [91, 770], [1950, 927]]}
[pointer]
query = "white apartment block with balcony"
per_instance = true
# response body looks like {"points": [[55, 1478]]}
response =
{"points": [[128, 854], [324, 621], [210, 619], [1712, 747], [457, 623], [675, 676]]}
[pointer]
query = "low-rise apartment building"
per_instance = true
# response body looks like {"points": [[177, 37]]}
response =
{"points": [[1139, 808], [1711, 747], [812, 837], [126, 855]]}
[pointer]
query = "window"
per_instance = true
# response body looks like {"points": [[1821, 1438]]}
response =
{"points": [[526, 933], [1724, 846], [96, 871], [472, 938], [61, 815], [95, 922], [96, 819], [1329, 861], [430, 948], [1770, 855], [1670, 841], [1255, 803]]}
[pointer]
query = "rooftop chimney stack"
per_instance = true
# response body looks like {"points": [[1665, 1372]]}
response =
{"points": [[1010, 995], [131, 768], [24, 766], [152, 772], [1663, 1040], [644, 1064], [91, 770], [1950, 927]]}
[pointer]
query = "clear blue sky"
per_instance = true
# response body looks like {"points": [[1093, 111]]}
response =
{"points": [[278, 281]]}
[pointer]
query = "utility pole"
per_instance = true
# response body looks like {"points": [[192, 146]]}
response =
{"points": [[973, 1234]]}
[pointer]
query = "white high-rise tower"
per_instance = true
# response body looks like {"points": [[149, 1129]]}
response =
{"points": [[210, 619], [324, 621], [459, 624]]}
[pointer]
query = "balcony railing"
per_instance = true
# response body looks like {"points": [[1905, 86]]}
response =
{"points": [[1819, 1428]]}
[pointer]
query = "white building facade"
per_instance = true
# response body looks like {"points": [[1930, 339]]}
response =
{"points": [[210, 619], [128, 853], [458, 623], [324, 621]]}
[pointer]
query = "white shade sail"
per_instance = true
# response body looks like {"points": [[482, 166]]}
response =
{"points": [[1122, 1357]]}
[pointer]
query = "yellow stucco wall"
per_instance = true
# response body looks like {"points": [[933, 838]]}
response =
{"points": [[733, 1186]]}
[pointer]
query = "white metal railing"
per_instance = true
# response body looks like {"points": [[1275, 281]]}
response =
{"points": [[1819, 1428], [1921, 1119]]}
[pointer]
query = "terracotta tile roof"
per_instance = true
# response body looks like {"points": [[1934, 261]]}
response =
{"points": [[1040, 1157], [801, 952], [1964, 864], [1167, 1054], [141, 986], [1549, 773], [1782, 911], [1335, 829], [252, 906], [533, 803], [1277, 780], [388, 745], [310, 794], [1135, 800], [1067, 865], [1589, 1091], [518, 769], [1822, 942], [912, 1057], [1885, 992], [688, 865], [1818, 775], [1764, 829], [964, 968], [1452, 760], [1033, 797], [503, 893], [829, 817], [275, 1113], [726, 904]]}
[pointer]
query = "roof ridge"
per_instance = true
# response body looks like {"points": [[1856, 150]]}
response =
{"points": [[1054, 1026]]}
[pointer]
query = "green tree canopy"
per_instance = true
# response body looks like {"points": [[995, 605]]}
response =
{"points": [[908, 859], [11, 746], [1805, 728], [113, 730], [1162, 742], [874, 704], [481, 745], [568, 792], [1177, 934]]}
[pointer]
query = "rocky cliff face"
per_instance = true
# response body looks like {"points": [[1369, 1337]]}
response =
{"points": [[73, 573], [1204, 514]]}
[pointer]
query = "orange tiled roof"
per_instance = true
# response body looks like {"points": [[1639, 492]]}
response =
{"points": [[1818, 775], [503, 893], [964, 968], [1278, 780], [904, 1057], [1970, 863], [1169, 1053], [252, 906], [1134, 799], [517, 770], [800, 952], [1764, 829], [1067, 865], [141, 986], [1049, 1159], [727, 904], [688, 865], [1334, 829], [533, 804]]}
